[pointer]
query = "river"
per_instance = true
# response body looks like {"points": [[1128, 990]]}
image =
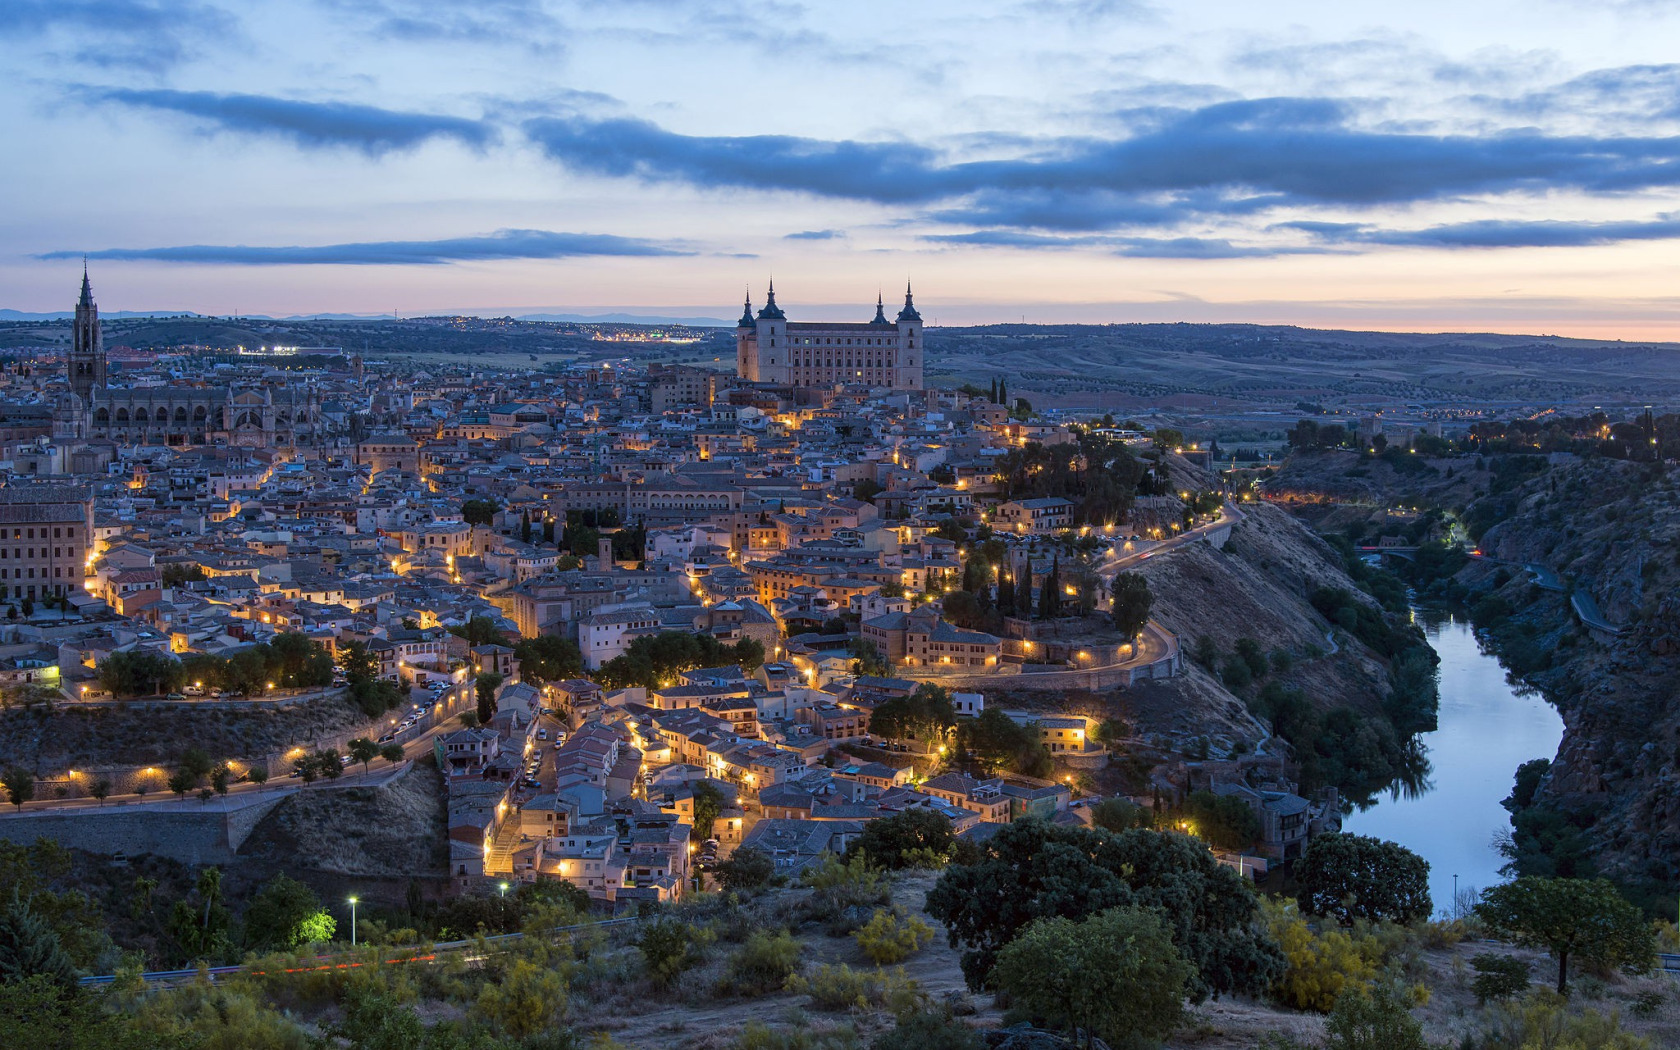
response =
{"points": [[1486, 729]]}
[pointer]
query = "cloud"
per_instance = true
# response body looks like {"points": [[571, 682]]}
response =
{"points": [[1501, 233], [520, 22], [503, 244], [1132, 247], [146, 33], [1248, 154], [815, 235], [372, 130]]}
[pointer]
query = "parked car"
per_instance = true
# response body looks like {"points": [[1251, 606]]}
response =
{"points": [[176, 696]]}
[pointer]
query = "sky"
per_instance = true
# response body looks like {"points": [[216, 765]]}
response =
{"points": [[1432, 166]]}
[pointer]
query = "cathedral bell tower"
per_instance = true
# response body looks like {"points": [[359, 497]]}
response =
{"points": [[86, 366]]}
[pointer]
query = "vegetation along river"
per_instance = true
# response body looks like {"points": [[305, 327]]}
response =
{"points": [[1486, 729]]}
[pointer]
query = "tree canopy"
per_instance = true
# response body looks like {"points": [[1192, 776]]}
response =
{"points": [[655, 660], [926, 715], [1359, 877], [1031, 870], [1584, 918], [1132, 603], [916, 832]]}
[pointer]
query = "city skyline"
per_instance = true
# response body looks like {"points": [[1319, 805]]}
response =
{"points": [[1093, 162]]}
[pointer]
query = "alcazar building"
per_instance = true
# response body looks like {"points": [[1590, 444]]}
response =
{"points": [[257, 415], [879, 354]]}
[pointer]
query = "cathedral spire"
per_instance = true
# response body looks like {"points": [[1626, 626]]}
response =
{"points": [[771, 311], [880, 311], [87, 288], [746, 311]]}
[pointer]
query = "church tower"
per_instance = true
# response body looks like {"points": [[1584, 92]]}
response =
{"points": [[86, 367]]}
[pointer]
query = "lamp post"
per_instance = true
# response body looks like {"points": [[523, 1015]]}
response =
{"points": [[1455, 897], [504, 887], [352, 922]]}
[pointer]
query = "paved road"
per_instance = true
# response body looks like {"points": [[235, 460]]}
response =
{"points": [[247, 792], [1114, 562]]}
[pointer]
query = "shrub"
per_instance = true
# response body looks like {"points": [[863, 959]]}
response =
{"points": [[929, 1030], [764, 962], [1498, 977], [843, 988], [889, 937], [1320, 968], [759, 1036], [746, 869], [1375, 1020], [844, 892], [669, 947], [1358, 877], [1543, 1020], [1117, 975]]}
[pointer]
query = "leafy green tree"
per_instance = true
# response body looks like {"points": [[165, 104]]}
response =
{"points": [[547, 658], [1031, 869], [1359, 877], [480, 630], [392, 753], [1118, 814], [479, 511], [30, 948], [1498, 977], [1224, 821], [285, 914], [1117, 975], [19, 784], [1050, 592], [362, 750], [925, 715], [993, 740], [746, 869], [708, 804], [867, 658], [1586, 918], [181, 781], [484, 690], [1132, 602], [918, 832]]}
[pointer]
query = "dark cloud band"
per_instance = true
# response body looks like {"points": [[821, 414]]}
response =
{"points": [[503, 244]]}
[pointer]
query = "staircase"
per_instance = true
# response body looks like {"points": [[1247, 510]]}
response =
{"points": [[499, 861]]}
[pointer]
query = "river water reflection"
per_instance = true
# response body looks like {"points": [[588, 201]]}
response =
{"points": [[1485, 731]]}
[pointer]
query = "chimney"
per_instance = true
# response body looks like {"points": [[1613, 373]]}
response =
{"points": [[604, 554]]}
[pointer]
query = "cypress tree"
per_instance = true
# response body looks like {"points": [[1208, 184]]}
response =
{"points": [[525, 527], [1003, 393], [30, 948], [1006, 591], [1050, 595]]}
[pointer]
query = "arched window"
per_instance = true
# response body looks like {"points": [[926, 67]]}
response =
{"points": [[122, 415], [102, 415], [140, 415], [181, 415], [200, 413]]}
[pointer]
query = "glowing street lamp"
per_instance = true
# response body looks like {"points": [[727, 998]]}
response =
{"points": [[352, 922]]}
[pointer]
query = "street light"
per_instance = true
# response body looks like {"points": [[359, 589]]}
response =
{"points": [[352, 922], [504, 890]]}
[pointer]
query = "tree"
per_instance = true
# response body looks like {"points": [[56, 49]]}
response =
{"points": [[1031, 869], [219, 779], [181, 781], [1116, 976], [484, 690], [29, 948], [257, 774], [1359, 877], [392, 753], [668, 946], [327, 760], [1580, 917], [746, 869], [1132, 602], [100, 789], [285, 914], [480, 630], [1118, 814], [547, 658], [925, 715], [866, 658], [479, 511], [19, 784], [1050, 592], [994, 740], [708, 803], [918, 833], [362, 750]]}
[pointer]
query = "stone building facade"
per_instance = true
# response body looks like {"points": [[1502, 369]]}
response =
{"points": [[877, 354]]}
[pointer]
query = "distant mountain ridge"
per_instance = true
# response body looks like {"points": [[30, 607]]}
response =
{"points": [[615, 318]]}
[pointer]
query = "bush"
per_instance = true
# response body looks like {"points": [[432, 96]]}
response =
{"points": [[1498, 977], [746, 869], [843, 988], [889, 937], [845, 892], [1320, 967], [669, 947], [1358, 877], [1376, 1020], [764, 962], [929, 1030], [1543, 1020]]}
